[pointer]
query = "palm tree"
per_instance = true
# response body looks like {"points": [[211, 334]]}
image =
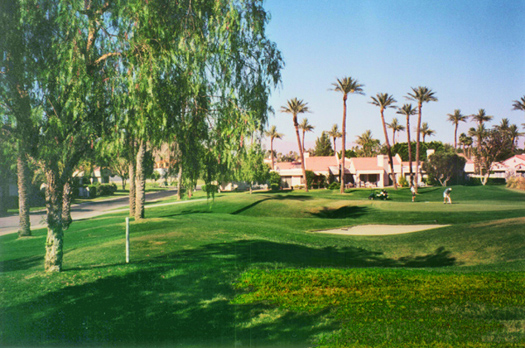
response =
{"points": [[421, 95], [334, 133], [480, 132], [368, 143], [384, 100], [465, 141], [395, 126], [346, 85], [481, 117], [296, 106], [408, 110], [514, 134], [455, 118], [426, 131], [305, 127], [519, 104], [272, 134]]}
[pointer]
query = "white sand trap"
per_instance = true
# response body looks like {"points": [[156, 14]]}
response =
{"points": [[380, 230]]}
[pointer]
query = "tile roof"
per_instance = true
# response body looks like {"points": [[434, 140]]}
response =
{"points": [[366, 163]]}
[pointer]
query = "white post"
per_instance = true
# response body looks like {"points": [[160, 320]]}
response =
{"points": [[127, 240]]}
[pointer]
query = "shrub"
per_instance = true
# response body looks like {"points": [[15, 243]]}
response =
{"points": [[106, 189], [310, 177], [334, 186], [516, 182], [275, 187], [275, 181], [403, 182], [92, 191]]}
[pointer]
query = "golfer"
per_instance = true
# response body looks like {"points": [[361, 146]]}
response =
{"points": [[413, 190], [446, 196]]}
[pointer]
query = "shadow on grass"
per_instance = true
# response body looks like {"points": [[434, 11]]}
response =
{"points": [[341, 213], [20, 264], [184, 298]]}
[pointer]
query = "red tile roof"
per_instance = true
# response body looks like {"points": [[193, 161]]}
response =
{"points": [[366, 163]]}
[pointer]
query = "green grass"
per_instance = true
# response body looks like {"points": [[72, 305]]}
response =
{"points": [[249, 270]]}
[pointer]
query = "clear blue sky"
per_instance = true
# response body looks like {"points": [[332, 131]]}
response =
{"points": [[470, 52]]}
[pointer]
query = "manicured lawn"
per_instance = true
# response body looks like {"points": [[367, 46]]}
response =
{"points": [[249, 270]]}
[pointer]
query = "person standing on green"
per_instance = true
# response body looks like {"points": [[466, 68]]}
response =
{"points": [[446, 196]]}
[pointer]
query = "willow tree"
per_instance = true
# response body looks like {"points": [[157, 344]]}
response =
{"points": [[384, 101], [420, 95], [346, 85], [16, 98]]}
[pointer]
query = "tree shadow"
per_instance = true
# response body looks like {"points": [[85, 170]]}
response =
{"points": [[20, 264], [341, 213], [185, 299]]}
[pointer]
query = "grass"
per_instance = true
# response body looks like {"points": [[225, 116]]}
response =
{"points": [[249, 270]]}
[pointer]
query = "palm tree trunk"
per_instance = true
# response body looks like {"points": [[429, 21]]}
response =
{"points": [[417, 143], [456, 137], [343, 153], [300, 152], [389, 150], [393, 136], [66, 205], [335, 150], [55, 234], [140, 182], [304, 132], [409, 152], [271, 152], [23, 203]]}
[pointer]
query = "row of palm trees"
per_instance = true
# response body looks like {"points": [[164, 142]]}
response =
{"points": [[420, 95]]}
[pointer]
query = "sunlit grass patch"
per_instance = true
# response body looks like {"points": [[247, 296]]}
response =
{"points": [[397, 306]]}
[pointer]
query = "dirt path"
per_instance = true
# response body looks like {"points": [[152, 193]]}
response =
{"points": [[379, 230]]}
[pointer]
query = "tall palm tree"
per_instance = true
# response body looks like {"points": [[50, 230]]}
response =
{"points": [[480, 132], [385, 100], [273, 134], [426, 131], [346, 85], [334, 133], [481, 117], [297, 106], [305, 127], [395, 126], [514, 134], [421, 95], [455, 118], [408, 110]]}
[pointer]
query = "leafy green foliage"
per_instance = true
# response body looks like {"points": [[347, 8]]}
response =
{"points": [[443, 167], [323, 146]]}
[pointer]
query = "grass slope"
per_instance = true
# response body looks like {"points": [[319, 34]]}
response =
{"points": [[250, 270]]}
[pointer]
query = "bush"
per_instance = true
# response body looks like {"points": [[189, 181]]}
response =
{"points": [[403, 182], [92, 191], [210, 189], [275, 181], [334, 186], [106, 189], [310, 177], [491, 181], [516, 182]]}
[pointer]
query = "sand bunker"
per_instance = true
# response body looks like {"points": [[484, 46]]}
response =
{"points": [[379, 230]]}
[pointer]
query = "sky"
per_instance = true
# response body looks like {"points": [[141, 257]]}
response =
{"points": [[471, 53]]}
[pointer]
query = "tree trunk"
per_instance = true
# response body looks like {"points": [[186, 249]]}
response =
{"points": [[179, 183], [343, 151], [300, 152], [389, 150], [417, 143], [271, 152], [23, 202], [409, 152], [3, 198], [140, 182], [123, 183], [132, 190], [456, 137], [55, 234], [66, 204]]}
